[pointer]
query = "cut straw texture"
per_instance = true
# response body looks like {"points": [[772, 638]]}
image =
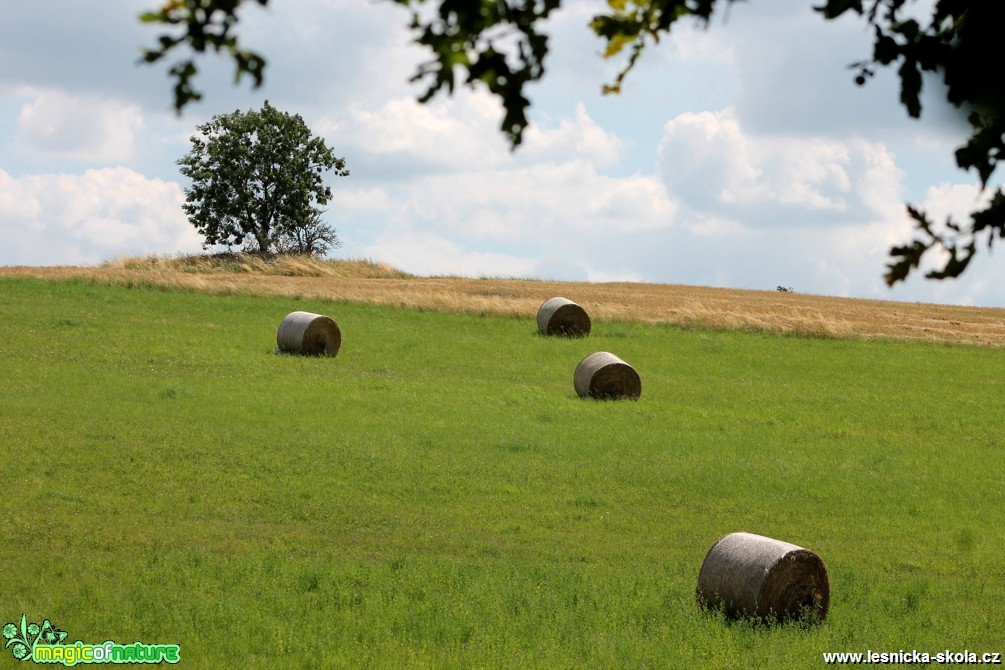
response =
{"points": [[309, 334], [560, 316], [603, 375], [755, 577]]}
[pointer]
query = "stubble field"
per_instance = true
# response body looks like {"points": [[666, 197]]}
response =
{"points": [[683, 306]]}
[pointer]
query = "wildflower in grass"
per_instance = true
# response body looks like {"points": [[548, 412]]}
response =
{"points": [[9, 631], [20, 651]]}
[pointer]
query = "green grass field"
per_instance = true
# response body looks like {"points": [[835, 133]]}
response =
{"points": [[438, 496]]}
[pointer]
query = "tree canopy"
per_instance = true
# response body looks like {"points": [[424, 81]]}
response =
{"points": [[499, 44], [257, 180]]}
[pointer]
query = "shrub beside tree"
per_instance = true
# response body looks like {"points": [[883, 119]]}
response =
{"points": [[258, 182]]}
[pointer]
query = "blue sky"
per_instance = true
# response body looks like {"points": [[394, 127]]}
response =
{"points": [[740, 156]]}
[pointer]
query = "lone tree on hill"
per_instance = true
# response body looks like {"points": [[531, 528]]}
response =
{"points": [[501, 45], [257, 181]]}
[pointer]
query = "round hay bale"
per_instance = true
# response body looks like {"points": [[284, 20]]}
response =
{"points": [[309, 334], [559, 316], [756, 577], [604, 375]]}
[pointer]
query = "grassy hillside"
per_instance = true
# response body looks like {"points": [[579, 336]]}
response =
{"points": [[684, 306], [437, 495]]}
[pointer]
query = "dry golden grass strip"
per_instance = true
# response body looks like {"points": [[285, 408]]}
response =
{"points": [[685, 306]]}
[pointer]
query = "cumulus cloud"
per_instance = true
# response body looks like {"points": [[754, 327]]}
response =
{"points": [[815, 213], [521, 205], [578, 138], [431, 253], [818, 214], [713, 166], [59, 219], [60, 125], [466, 204], [954, 200], [402, 138], [426, 253]]}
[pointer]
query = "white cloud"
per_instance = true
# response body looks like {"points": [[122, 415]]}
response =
{"points": [[426, 253], [57, 219], [402, 137], [954, 200], [448, 175], [615, 276], [523, 205], [580, 138], [475, 208], [429, 253], [712, 165], [63, 125], [446, 134]]}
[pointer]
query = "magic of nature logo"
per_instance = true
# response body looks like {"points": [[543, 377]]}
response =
{"points": [[44, 643]]}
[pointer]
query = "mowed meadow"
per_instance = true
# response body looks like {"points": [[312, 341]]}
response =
{"points": [[438, 496]]}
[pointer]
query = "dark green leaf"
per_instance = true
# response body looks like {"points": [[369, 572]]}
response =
{"points": [[910, 87]]}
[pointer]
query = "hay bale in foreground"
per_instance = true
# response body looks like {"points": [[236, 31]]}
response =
{"points": [[604, 375], [759, 578], [559, 316], [309, 334]]}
